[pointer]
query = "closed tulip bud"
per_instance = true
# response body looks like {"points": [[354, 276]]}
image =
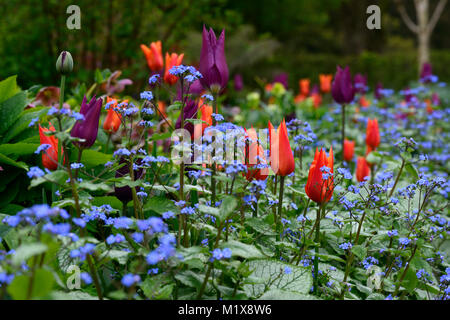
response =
{"points": [[113, 119], [124, 194], [320, 185], [153, 55], [372, 134], [362, 169], [64, 64], [190, 112], [349, 150], [50, 155], [213, 64], [238, 82], [342, 88], [281, 156], [87, 129]]}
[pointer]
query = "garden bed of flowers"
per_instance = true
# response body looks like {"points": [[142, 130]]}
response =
{"points": [[197, 190]]}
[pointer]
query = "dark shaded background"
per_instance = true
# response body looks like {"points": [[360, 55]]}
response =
{"points": [[263, 37]]}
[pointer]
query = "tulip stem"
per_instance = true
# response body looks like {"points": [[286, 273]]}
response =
{"points": [[316, 255], [280, 206], [61, 102], [343, 130], [398, 178]]}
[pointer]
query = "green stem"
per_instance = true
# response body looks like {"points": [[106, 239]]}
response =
{"points": [[316, 255], [94, 277], [398, 178], [280, 206], [343, 130]]}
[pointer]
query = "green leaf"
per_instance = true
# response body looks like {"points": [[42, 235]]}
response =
{"points": [[227, 207], [57, 177], [42, 285], [19, 164], [92, 158], [375, 296], [18, 149], [359, 251], [239, 249], [260, 226], [8, 88], [22, 123], [272, 275], [160, 205], [10, 110], [26, 251], [412, 170], [112, 201], [277, 294], [71, 295]]}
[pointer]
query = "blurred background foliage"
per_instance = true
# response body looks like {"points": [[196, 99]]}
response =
{"points": [[263, 38]]}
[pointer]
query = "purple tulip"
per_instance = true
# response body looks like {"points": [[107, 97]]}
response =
{"points": [[282, 78], [238, 82], [426, 75], [360, 83], [196, 88], [213, 65], [87, 129], [315, 89], [435, 99], [124, 194], [190, 112], [378, 93], [342, 89]]}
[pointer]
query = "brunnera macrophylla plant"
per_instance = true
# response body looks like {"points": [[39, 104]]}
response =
{"points": [[167, 197]]}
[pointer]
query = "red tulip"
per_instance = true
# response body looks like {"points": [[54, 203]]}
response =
{"points": [[317, 188], [372, 134], [281, 156], [254, 155], [349, 150], [362, 169], [172, 61], [304, 86], [49, 156]]}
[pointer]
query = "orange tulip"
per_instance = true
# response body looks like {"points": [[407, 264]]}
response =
{"points": [[349, 150], [153, 55], [49, 156], [113, 119], [317, 188], [172, 61], [281, 156], [372, 134], [304, 86], [207, 112], [363, 102], [325, 82], [268, 87], [362, 169], [254, 155]]}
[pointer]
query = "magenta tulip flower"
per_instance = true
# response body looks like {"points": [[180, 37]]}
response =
{"points": [[238, 82], [87, 129], [342, 88], [213, 65], [378, 93]]}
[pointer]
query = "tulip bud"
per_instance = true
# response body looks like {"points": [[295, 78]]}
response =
{"points": [[64, 64]]}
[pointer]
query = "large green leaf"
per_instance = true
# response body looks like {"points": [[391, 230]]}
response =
{"points": [[7, 160], [42, 285], [26, 251], [239, 249], [160, 205], [8, 88], [23, 122], [10, 110], [18, 149], [273, 276]]}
